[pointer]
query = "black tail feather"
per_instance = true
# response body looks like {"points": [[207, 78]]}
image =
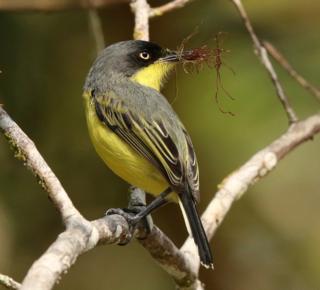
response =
{"points": [[197, 230]]}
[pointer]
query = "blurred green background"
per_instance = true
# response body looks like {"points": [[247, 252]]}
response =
{"points": [[269, 240]]}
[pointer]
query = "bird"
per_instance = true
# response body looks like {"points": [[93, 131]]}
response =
{"points": [[137, 133]]}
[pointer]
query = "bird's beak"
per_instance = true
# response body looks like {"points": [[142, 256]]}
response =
{"points": [[172, 56]]}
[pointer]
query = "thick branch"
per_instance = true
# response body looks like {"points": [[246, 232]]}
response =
{"points": [[8, 282], [76, 240], [263, 55]]}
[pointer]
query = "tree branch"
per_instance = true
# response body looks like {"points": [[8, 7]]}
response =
{"points": [[238, 182], [54, 5], [279, 57], [8, 282], [26, 151], [263, 56], [82, 235], [140, 9], [173, 5]]}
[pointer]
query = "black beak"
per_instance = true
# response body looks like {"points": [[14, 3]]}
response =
{"points": [[175, 56], [171, 56]]}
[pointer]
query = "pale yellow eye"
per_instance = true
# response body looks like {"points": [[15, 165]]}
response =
{"points": [[144, 55]]}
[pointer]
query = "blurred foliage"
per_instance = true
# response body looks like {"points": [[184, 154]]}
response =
{"points": [[269, 240]]}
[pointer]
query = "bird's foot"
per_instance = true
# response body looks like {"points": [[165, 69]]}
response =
{"points": [[143, 225]]}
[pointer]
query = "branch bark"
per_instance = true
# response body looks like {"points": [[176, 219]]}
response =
{"points": [[141, 10]]}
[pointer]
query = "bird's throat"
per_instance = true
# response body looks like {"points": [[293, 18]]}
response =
{"points": [[154, 75]]}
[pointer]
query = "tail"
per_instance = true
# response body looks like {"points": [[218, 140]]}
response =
{"points": [[194, 225]]}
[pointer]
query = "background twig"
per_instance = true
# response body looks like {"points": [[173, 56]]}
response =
{"points": [[279, 57], [263, 55], [53, 5], [168, 7], [96, 28]]}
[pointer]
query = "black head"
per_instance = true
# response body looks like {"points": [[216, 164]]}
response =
{"points": [[125, 59]]}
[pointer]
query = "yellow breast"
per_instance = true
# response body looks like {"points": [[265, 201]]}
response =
{"points": [[120, 157]]}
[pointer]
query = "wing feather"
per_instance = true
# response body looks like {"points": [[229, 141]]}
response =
{"points": [[151, 139]]}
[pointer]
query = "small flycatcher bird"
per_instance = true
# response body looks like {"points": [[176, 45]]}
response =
{"points": [[137, 133]]}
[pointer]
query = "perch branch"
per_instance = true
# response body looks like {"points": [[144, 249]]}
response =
{"points": [[279, 57], [9, 283], [263, 56]]}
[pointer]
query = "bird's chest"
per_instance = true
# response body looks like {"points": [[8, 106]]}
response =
{"points": [[120, 157]]}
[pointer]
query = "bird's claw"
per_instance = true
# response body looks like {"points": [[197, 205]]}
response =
{"points": [[142, 225]]}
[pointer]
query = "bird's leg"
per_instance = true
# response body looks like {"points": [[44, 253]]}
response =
{"points": [[137, 210]]}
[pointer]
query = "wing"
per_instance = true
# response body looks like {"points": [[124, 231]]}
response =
{"points": [[153, 140]]}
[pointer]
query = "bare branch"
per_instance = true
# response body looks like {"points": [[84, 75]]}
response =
{"points": [[140, 9], [173, 5], [263, 55], [25, 150], [237, 183], [8, 282], [279, 57], [96, 28], [54, 5]]}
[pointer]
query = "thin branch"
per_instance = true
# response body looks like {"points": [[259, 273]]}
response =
{"points": [[140, 9], [171, 6], [96, 28], [279, 57], [9, 283], [237, 183], [25, 150], [54, 5], [263, 55]]}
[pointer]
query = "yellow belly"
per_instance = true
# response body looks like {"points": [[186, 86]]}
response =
{"points": [[121, 158]]}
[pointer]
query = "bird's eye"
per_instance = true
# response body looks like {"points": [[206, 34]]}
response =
{"points": [[144, 55]]}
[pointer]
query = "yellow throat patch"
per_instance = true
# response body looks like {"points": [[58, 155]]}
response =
{"points": [[153, 75]]}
